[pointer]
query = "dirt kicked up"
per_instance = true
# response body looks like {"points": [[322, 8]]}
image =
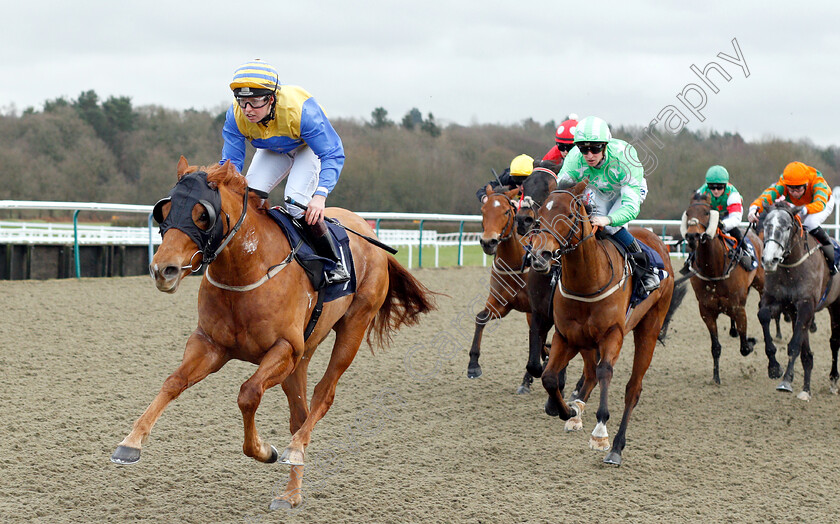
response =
{"points": [[409, 438]]}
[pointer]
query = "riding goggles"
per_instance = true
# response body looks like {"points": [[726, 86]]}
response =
{"points": [[255, 102], [564, 147], [590, 148], [716, 187]]}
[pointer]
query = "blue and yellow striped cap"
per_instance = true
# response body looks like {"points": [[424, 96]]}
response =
{"points": [[255, 75]]}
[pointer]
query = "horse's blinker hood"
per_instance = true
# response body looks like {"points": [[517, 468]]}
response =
{"points": [[190, 190]]}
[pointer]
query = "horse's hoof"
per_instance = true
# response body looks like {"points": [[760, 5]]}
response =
{"points": [[474, 372], [551, 408], [280, 504], [125, 455], [291, 457], [613, 458], [599, 443], [832, 387], [746, 350], [804, 395], [273, 458], [573, 424], [785, 386], [523, 390]]}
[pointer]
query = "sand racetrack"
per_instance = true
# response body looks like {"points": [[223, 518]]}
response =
{"points": [[407, 440]]}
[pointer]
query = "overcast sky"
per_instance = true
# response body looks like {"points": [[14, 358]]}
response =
{"points": [[464, 61]]}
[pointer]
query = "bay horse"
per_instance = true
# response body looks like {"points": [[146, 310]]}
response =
{"points": [[798, 284], [507, 285], [253, 305], [592, 312], [720, 283]]}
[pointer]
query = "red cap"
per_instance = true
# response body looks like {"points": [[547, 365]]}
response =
{"points": [[566, 132]]}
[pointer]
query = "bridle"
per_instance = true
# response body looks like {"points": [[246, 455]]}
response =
{"points": [[796, 225], [566, 242], [567, 246], [694, 221], [510, 222]]}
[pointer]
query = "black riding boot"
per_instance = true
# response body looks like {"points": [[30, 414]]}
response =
{"points": [[827, 248], [741, 254], [649, 276], [325, 246]]}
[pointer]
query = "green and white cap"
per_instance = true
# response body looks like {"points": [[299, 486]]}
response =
{"points": [[592, 129]]}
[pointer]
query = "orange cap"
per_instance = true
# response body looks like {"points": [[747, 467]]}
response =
{"points": [[798, 174]]}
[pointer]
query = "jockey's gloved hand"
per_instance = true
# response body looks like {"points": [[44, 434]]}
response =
{"points": [[753, 215]]}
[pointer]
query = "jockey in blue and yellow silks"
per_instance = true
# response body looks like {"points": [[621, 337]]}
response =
{"points": [[293, 138]]}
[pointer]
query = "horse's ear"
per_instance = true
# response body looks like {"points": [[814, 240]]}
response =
{"points": [[513, 193], [580, 186], [488, 190], [230, 169], [183, 166]]}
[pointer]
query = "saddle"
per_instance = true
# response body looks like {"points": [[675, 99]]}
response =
{"points": [[746, 246], [655, 263], [315, 265]]}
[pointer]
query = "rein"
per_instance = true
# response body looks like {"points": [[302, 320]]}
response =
{"points": [[273, 270], [803, 258]]}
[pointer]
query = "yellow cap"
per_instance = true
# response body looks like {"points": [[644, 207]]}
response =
{"points": [[521, 166]]}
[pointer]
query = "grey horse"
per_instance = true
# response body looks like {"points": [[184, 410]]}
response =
{"points": [[798, 284]]}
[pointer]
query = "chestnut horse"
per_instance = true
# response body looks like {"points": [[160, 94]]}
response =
{"points": [[508, 288], [254, 303], [592, 312], [798, 284], [720, 283]]}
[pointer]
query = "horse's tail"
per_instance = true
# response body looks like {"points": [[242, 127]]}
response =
{"points": [[406, 300], [677, 297]]}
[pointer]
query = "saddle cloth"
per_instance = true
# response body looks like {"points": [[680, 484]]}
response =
{"points": [[656, 263], [312, 263], [748, 247]]}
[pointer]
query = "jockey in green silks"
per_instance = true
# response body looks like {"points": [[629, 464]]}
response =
{"points": [[727, 201], [616, 187]]}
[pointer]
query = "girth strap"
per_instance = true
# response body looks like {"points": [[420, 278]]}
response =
{"points": [[316, 314]]}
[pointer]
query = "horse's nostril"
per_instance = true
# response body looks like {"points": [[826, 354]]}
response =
{"points": [[170, 272]]}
